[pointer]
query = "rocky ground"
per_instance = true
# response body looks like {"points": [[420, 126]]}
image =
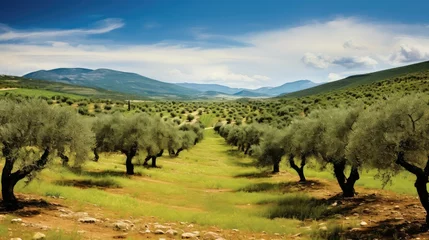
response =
{"points": [[373, 214]]}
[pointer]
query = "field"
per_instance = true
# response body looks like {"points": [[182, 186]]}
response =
{"points": [[212, 187]]}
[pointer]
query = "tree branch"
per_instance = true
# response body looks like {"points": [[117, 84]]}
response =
{"points": [[408, 166]]}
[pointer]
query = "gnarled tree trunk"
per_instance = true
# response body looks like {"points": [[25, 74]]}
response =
{"points": [[154, 161], [346, 184], [299, 170], [421, 181], [178, 151], [9, 179], [128, 163], [96, 157], [276, 166]]}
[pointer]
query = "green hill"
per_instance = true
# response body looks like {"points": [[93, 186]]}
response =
{"points": [[60, 88], [125, 82], [354, 81]]}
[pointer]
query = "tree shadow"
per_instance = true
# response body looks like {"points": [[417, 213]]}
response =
{"points": [[388, 229], [28, 208], [265, 174], [89, 183], [104, 173], [283, 186], [301, 206]]}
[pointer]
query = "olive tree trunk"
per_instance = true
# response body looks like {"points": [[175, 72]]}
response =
{"points": [[96, 156], [299, 170], [128, 163], [9, 179], [421, 181], [178, 151], [154, 161], [346, 184], [276, 166]]}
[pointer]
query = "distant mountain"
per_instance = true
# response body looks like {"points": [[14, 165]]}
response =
{"points": [[260, 92], [210, 87], [249, 93], [287, 88], [361, 79], [130, 83]]}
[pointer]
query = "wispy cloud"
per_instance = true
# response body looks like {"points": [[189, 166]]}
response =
{"points": [[104, 26]]}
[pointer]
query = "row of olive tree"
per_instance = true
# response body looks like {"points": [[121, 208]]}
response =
{"points": [[32, 134], [323, 135], [141, 133]]}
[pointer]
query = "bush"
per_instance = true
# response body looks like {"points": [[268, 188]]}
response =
{"points": [[190, 117]]}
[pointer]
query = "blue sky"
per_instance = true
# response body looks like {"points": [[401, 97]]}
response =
{"points": [[237, 43]]}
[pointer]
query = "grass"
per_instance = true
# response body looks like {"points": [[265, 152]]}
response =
{"points": [[298, 206], [39, 93]]}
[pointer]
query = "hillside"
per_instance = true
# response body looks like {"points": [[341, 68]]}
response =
{"points": [[287, 88], [248, 93], [112, 80], [357, 80], [210, 88], [60, 88]]}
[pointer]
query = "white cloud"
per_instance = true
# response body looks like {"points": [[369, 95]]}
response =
{"points": [[355, 62], [407, 54], [322, 62], [316, 61], [334, 77], [103, 26], [351, 45], [266, 58]]}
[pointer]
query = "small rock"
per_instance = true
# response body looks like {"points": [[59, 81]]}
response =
{"points": [[81, 231], [87, 220], [196, 233], [81, 214], [363, 223], [356, 214], [187, 235], [235, 230], [367, 210], [396, 207], [16, 220], [323, 228], [190, 225], [171, 232], [121, 226], [39, 236], [159, 226], [297, 235], [159, 231], [210, 236], [15, 239]]}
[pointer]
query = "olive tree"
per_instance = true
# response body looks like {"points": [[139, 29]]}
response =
{"points": [[324, 135], [339, 125], [393, 135], [270, 150], [164, 134], [31, 134], [126, 134]]}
